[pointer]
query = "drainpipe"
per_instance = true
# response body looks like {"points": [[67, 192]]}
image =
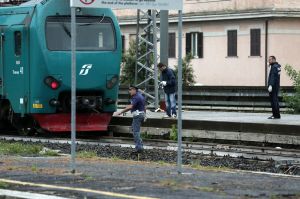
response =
{"points": [[266, 51]]}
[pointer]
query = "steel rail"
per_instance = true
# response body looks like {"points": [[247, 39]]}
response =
{"points": [[249, 152]]}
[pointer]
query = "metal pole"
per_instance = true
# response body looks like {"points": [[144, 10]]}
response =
{"points": [[155, 58], [266, 51], [164, 37], [148, 48], [73, 89], [137, 46], [179, 120]]}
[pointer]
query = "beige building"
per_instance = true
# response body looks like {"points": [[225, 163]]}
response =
{"points": [[231, 39]]}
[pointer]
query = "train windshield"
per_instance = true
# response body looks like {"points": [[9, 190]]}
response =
{"points": [[93, 33]]}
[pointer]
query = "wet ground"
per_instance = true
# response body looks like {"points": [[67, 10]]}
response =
{"points": [[105, 178]]}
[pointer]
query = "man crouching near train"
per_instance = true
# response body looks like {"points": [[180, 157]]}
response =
{"points": [[137, 108]]}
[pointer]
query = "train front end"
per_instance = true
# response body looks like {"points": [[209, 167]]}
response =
{"points": [[98, 57]]}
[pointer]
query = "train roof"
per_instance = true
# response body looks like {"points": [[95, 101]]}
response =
{"points": [[14, 15], [19, 14]]}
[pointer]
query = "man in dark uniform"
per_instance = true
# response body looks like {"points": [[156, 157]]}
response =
{"points": [[168, 81], [137, 108], [273, 86]]}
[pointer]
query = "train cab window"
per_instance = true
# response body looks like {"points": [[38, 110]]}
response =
{"points": [[93, 33], [18, 40]]}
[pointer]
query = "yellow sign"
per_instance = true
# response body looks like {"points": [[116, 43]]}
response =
{"points": [[37, 105]]}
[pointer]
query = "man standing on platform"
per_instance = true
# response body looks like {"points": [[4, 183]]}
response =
{"points": [[168, 81], [273, 86], [137, 108]]}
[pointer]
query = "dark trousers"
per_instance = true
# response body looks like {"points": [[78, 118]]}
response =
{"points": [[136, 129], [275, 103]]}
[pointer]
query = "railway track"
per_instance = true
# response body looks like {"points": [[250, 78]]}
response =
{"points": [[235, 151]]}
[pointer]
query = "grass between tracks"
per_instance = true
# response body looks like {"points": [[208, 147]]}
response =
{"points": [[87, 154], [3, 185], [17, 148]]}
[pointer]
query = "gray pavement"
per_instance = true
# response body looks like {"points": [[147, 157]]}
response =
{"points": [[236, 126], [240, 117], [143, 179]]}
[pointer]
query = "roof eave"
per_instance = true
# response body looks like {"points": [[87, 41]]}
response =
{"points": [[199, 17]]}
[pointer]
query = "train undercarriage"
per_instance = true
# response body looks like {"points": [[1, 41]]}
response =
{"points": [[89, 116]]}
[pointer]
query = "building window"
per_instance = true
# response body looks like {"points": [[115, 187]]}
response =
{"points": [[18, 41], [232, 43], [172, 45], [255, 42], [194, 44]]}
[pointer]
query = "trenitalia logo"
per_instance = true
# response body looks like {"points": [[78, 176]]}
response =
{"points": [[85, 69], [87, 2]]}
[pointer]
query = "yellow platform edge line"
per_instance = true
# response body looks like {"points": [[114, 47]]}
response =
{"points": [[106, 193]]}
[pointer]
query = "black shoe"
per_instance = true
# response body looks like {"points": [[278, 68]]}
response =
{"points": [[140, 150]]}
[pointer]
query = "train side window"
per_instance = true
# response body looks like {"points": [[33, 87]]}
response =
{"points": [[18, 43]]}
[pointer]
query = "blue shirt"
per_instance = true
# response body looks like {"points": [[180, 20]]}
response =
{"points": [[138, 102]]}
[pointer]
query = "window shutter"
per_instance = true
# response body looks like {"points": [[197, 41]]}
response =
{"points": [[231, 43], [255, 42], [188, 43], [200, 44], [123, 43], [172, 45]]}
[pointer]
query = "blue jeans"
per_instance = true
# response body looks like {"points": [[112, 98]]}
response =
{"points": [[170, 104], [136, 128]]}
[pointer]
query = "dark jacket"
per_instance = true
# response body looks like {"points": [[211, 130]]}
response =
{"points": [[138, 102], [169, 76], [274, 75]]}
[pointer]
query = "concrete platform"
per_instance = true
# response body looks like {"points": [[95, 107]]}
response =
{"points": [[221, 125]]}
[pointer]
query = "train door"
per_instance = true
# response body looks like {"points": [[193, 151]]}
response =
{"points": [[1, 61], [16, 67]]}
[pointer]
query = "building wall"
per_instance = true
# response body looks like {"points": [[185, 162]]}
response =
{"points": [[284, 43], [215, 68]]}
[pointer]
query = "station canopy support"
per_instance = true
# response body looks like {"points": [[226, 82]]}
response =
{"points": [[146, 73]]}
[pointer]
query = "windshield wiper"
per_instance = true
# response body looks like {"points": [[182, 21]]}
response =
{"points": [[67, 31]]}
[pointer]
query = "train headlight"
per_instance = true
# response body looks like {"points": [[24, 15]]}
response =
{"points": [[110, 83], [52, 82]]}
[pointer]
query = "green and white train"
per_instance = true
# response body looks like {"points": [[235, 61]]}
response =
{"points": [[35, 66]]}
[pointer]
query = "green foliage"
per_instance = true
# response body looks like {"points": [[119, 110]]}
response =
{"points": [[87, 154], [129, 61], [19, 148], [128, 64], [3, 185], [34, 168], [146, 135], [174, 133], [51, 153], [293, 102], [188, 77]]}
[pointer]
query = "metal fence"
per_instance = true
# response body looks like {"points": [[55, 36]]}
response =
{"points": [[220, 98]]}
